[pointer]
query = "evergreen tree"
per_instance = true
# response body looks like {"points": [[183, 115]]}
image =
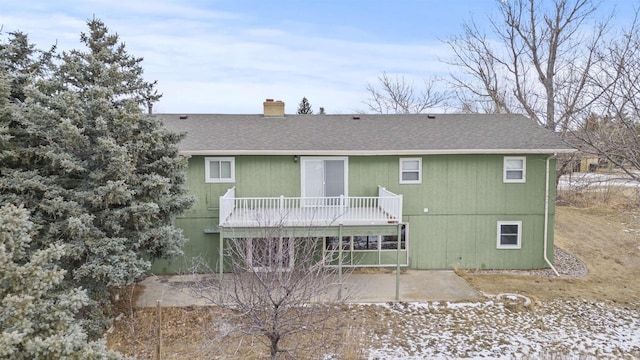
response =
{"points": [[22, 62], [321, 112], [96, 172], [37, 314], [5, 117], [304, 107]]}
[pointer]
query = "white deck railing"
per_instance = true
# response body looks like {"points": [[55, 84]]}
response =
{"points": [[386, 208], [390, 203], [227, 204]]}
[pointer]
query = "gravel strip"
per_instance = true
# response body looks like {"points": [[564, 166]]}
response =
{"points": [[568, 266]]}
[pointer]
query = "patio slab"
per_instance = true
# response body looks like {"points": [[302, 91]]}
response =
{"points": [[415, 286]]}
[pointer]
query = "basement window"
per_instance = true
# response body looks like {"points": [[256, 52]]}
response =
{"points": [[366, 250], [390, 242], [219, 169], [368, 242], [515, 169], [509, 234], [333, 243]]}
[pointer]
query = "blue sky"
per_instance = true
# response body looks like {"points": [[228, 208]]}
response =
{"points": [[228, 56]]}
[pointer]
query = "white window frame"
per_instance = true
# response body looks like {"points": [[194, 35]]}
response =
{"points": [[402, 171], [207, 170], [523, 169], [351, 252], [518, 245]]}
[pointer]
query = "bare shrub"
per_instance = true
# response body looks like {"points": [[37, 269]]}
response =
{"points": [[278, 296], [600, 195]]}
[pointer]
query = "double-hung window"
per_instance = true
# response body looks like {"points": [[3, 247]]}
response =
{"points": [[509, 234], [219, 169], [410, 171], [515, 169]]}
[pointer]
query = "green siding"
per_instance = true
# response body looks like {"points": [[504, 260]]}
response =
{"points": [[267, 176], [390, 256], [464, 194], [200, 245], [466, 197]]}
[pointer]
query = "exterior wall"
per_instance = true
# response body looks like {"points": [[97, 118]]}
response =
{"points": [[255, 176], [589, 164], [465, 196]]}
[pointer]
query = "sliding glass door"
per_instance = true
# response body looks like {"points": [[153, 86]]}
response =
{"points": [[323, 179]]}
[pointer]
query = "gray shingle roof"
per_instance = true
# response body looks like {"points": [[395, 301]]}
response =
{"points": [[368, 135]]}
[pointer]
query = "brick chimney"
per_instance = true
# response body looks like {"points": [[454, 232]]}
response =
{"points": [[273, 108]]}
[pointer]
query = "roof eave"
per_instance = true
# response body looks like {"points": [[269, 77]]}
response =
{"points": [[377, 152]]}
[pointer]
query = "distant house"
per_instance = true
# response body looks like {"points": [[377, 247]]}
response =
{"points": [[585, 159], [472, 191]]}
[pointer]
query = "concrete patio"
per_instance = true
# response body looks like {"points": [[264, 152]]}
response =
{"points": [[415, 286]]}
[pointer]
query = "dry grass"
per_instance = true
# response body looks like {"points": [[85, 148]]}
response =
{"points": [[195, 333], [378, 270], [618, 198]]}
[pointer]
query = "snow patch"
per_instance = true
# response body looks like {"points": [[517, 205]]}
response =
{"points": [[490, 329]]}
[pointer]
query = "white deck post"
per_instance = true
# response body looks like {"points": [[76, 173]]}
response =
{"points": [[398, 262], [340, 262], [221, 265]]}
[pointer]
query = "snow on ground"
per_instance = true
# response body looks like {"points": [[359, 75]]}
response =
{"points": [[497, 330], [584, 180]]}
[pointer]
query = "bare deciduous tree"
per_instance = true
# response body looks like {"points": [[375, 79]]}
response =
{"points": [[612, 131], [280, 290], [475, 58], [537, 61], [394, 95]]}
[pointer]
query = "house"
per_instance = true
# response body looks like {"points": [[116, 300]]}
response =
{"points": [[586, 158], [429, 191]]}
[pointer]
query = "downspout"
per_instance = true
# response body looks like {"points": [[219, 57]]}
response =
{"points": [[546, 217]]}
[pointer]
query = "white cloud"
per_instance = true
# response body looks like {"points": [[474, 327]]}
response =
{"points": [[223, 62]]}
